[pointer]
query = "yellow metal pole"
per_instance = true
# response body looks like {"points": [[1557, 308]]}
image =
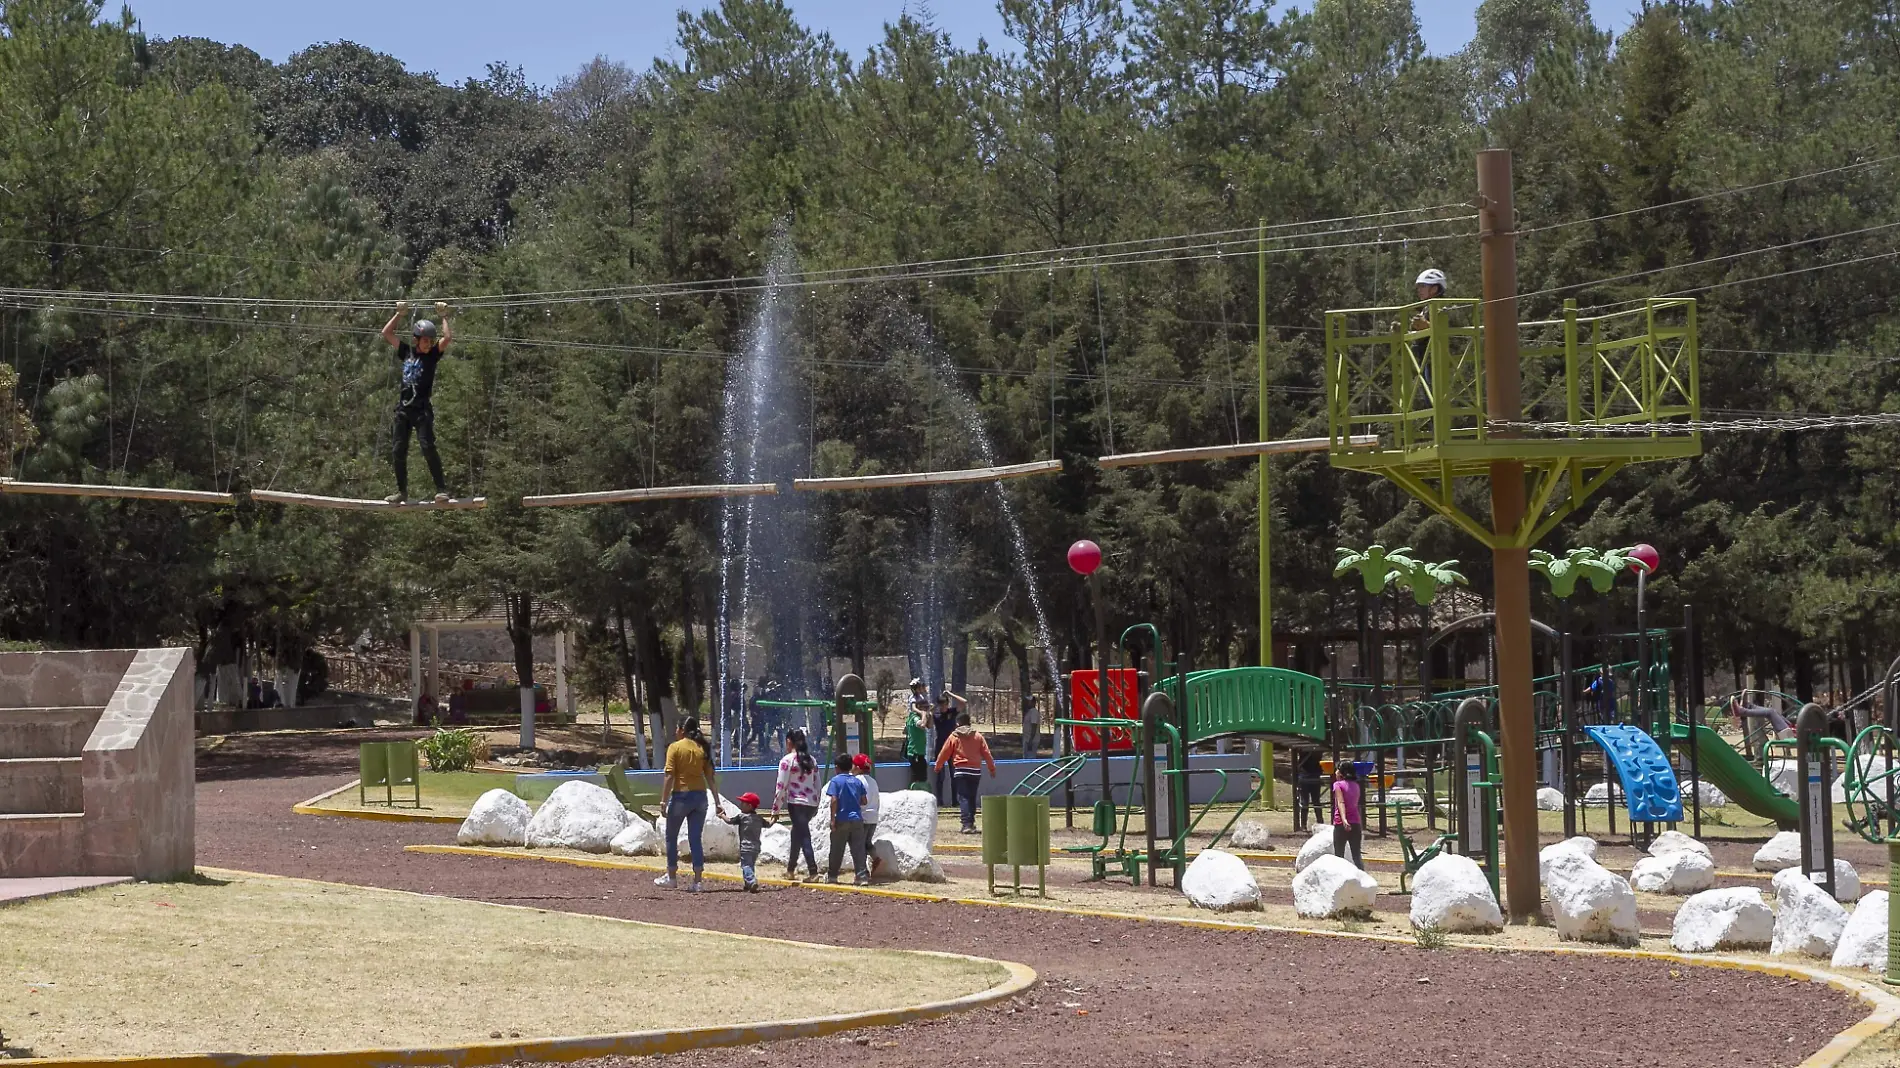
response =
{"points": [[1511, 562], [1268, 794]]}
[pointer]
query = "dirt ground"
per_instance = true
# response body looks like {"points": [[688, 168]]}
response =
{"points": [[1114, 993], [294, 965]]}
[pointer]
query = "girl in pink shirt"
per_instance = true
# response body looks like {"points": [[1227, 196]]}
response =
{"points": [[1349, 819]]}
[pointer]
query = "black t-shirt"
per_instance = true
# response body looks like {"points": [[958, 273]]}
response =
{"points": [[418, 375]]}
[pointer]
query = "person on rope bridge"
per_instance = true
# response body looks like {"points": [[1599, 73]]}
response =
{"points": [[414, 411]]}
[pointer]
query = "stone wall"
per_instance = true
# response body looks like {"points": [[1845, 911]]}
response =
{"points": [[81, 678]]}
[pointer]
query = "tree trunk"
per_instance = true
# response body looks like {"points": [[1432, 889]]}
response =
{"points": [[960, 662], [635, 711], [656, 671], [520, 613], [689, 652]]}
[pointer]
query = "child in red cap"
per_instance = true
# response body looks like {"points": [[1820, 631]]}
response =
{"points": [[751, 827], [866, 773]]}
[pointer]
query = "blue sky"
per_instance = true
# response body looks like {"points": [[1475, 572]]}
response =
{"points": [[551, 38]]}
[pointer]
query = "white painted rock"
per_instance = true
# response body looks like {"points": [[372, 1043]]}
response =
{"points": [[1331, 886], [640, 839], [718, 840], [1550, 799], [498, 818], [1593, 904], [1785, 775], [900, 856], [1734, 917], [1710, 796], [1869, 766], [775, 844], [1781, 851], [1251, 834], [1686, 872], [1406, 797], [910, 813], [1220, 881], [1863, 941], [1581, 845], [578, 815], [1319, 845], [1846, 882], [1808, 923], [1670, 842], [1450, 893], [1597, 796]]}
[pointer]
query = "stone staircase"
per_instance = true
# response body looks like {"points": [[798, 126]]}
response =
{"points": [[96, 763]]}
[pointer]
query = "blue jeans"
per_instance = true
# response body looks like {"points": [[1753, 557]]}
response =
{"points": [[688, 806], [967, 784]]}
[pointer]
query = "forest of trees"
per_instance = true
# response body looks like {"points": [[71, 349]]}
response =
{"points": [[198, 246]]}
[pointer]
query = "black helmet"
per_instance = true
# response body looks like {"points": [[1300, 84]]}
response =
{"points": [[423, 328]]}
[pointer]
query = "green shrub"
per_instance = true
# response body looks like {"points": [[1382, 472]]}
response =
{"points": [[1429, 937], [452, 750]]}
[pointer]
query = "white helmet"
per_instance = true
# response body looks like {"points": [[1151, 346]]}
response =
{"points": [[1431, 276]]}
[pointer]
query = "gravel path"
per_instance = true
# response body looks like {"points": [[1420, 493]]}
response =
{"points": [[1112, 994]]}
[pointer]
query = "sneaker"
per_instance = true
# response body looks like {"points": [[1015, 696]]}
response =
{"points": [[862, 881], [664, 882], [831, 880], [394, 498], [752, 888], [443, 498], [696, 887], [969, 830]]}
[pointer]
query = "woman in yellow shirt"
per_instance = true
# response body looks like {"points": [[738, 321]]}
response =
{"points": [[684, 791]]}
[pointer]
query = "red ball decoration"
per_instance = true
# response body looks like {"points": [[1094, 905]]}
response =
{"points": [[1084, 557], [1646, 555]]}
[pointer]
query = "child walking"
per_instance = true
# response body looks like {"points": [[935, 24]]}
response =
{"points": [[751, 828], [797, 792], [866, 773], [847, 796], [1349, 819], [966, 752]]}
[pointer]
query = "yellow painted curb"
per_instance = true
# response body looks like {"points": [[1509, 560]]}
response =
{"points": [[1884, 1005], [651, 1043], [313, 807]]}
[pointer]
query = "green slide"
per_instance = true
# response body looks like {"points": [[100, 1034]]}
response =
{"points": [[1735, 776]]}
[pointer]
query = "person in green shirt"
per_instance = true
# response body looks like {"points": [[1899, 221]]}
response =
{"points": [[917, 733]]}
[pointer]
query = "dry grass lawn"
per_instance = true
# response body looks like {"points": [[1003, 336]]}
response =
{"points": [[260, 964]]}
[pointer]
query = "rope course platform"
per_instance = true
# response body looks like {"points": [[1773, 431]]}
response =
{"points": [[1228, 452], [929, 478], [353, 504], [135, 493], [651, 493]]}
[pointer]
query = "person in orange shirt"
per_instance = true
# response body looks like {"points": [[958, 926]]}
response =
{"points": [[966, 753]]}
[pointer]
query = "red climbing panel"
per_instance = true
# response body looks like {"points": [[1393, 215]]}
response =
{"points": [[1084, 703]]}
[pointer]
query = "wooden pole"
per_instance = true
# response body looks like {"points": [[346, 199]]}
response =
{"points": [[1228, 452], [353, 504], [133, 493], [929, 478], [651, 493], [1517, 724]]}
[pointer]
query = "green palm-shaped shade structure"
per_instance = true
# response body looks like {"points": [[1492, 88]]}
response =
{"points": [[1424, 579], [1600, 566], [1377, 567]]}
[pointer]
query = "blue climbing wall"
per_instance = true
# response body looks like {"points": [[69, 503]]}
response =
{"points": [[1649, 783]]}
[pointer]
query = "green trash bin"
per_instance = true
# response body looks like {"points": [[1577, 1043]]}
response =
{"points": [[1016, 833]]}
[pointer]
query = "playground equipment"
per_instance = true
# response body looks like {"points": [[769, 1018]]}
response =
{"points": [[845, 720]]}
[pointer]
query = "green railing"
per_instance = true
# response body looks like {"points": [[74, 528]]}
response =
{"points": [[1251, 700]]}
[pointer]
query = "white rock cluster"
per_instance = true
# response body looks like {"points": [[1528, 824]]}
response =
{"points": [[1863, 942], [1590, 902], [1319, 845], [498, 818], [578, 815], [1251, 834], [1550, 799], [1808, 923], [1733, 917]]}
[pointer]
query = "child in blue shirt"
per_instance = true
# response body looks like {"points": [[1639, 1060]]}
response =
{"points": [[847, 796]]}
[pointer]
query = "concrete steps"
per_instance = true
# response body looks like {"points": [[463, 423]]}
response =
{"points": [[41, 784], [46, 732]]}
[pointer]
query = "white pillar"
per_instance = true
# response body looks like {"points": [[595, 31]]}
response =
{"points": [[415, 667], [563, 697], [433, 685]]}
